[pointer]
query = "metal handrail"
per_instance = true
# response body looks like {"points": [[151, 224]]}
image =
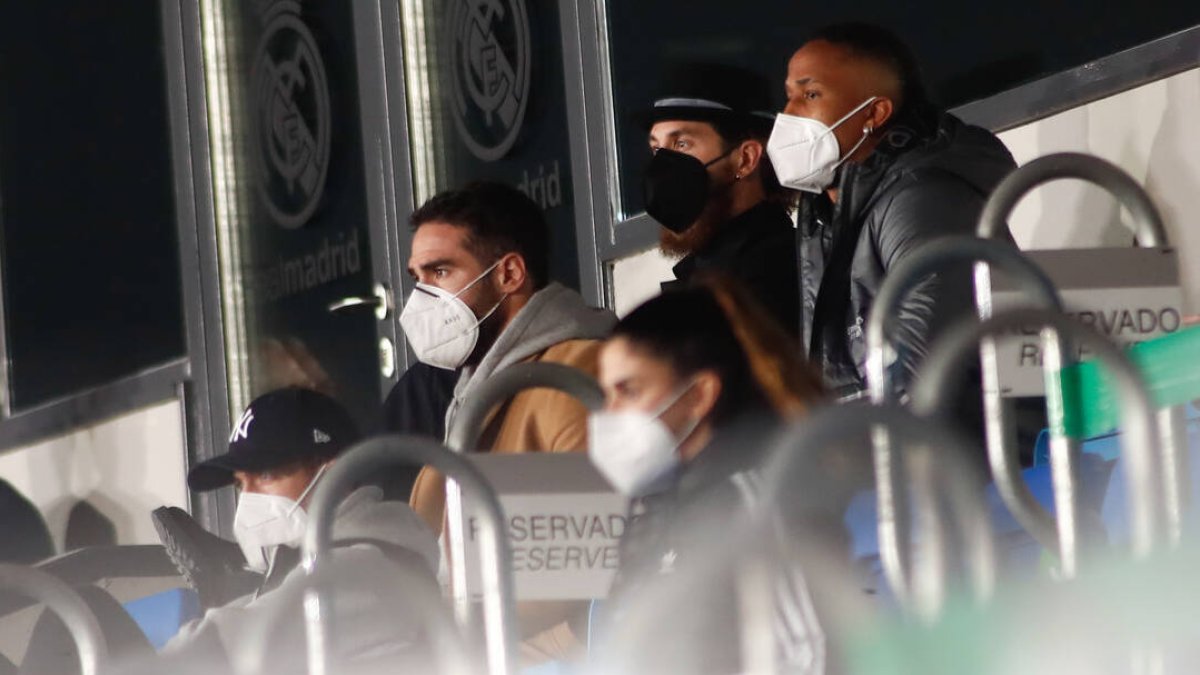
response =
{"points": [[404, 585], [795, 484], [467, 425], [1004, 199], [800, 451], [463, 436], [1150, 232], [78, 618], [365, 460], [944, 364], [927, 260]]}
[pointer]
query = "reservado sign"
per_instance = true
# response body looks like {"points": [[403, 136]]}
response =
{"points": [[1126, 294], [563, 521]]}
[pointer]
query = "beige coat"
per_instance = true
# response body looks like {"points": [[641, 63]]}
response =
{"points": [[536, 420]]}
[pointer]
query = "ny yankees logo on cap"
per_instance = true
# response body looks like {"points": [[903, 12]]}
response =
{"points": [[289, 425], [241, 430]]}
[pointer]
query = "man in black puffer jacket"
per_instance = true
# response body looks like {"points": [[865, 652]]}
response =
{"points": [[883, 173]]}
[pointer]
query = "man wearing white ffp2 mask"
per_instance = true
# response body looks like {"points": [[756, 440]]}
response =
{"points": [[882, 172], [281, 451], [441, 328], [484, 302], [484, 251], [805, 151], [268, 516]]}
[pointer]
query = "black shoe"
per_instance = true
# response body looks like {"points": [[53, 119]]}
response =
{"points": [[214, 567]]}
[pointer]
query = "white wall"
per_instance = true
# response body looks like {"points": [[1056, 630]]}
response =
{"points": [[125, 467], [636, 279], [1150, 131]]}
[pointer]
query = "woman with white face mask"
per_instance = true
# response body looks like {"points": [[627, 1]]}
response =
{"points": [[693, 381]]}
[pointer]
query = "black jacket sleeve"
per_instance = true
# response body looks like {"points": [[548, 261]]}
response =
{"points": [[922, 210], [416, 405]]}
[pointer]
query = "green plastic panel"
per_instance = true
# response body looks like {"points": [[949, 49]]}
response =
{"points": [[1170, 365]]}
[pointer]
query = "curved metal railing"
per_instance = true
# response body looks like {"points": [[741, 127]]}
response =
{"points": [[404, 586], [469, 421], [366, 460], [466, 428], [993, 219], [59, 598], [945, 363], [935, 465], [1149, 232], [925, 261]]}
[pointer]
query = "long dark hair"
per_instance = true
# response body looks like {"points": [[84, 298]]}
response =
{"points": [[716, 325]]}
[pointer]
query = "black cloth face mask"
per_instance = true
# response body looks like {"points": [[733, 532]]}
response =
{"points": [[676, 188]]}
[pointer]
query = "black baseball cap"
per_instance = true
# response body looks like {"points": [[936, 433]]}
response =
{"points": [[712, 92], [280, 428]]}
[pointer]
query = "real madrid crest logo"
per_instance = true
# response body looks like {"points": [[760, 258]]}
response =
{"points": [[291, 116], [489, 60]]}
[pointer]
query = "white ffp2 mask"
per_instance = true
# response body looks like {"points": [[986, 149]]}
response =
{"points": [[634, 450], [804, 152], [441, 328], [263, 522]]}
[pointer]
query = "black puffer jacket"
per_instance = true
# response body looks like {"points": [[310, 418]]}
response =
{"points": [[928, 178]]}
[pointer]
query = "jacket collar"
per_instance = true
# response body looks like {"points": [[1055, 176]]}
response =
{"points": [[554, 314], [732, 237], [858, 184], [736, 447]]}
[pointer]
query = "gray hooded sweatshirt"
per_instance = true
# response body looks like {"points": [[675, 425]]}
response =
{"points": [[554, 314], [368, 623]]}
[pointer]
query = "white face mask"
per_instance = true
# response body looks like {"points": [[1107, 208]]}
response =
{"points": [[635, 450], [263, 522], [804, 152], [441, 328]]}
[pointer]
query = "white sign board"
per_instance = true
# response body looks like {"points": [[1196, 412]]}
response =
{"points": [[1127, 294], [564, 525]]}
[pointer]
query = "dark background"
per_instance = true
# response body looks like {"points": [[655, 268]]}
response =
{"points": [[87, 215], [88, 249], [543, 141], [343, 344], [968, 50]]}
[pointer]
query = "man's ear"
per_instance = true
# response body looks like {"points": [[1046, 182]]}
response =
{"points": [[706, 390], [747, 158], [511, 273], [879, 112]]}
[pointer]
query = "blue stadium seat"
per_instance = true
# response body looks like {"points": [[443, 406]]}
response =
{"points": [[161, 615]]}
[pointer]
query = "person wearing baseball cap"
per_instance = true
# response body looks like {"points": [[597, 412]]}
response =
{"points": [[279, 449], [711, 187]]}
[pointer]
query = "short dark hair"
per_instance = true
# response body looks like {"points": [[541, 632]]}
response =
{"points": [[733, 133], [499, 219], [715, 324], [870, 41]]}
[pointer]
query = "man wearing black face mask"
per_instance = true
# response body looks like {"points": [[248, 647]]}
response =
{"points": [[710, 185]]}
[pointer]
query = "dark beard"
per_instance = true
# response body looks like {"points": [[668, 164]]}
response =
{"points": [[489, 329], [696, 237], [677, 245]]}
